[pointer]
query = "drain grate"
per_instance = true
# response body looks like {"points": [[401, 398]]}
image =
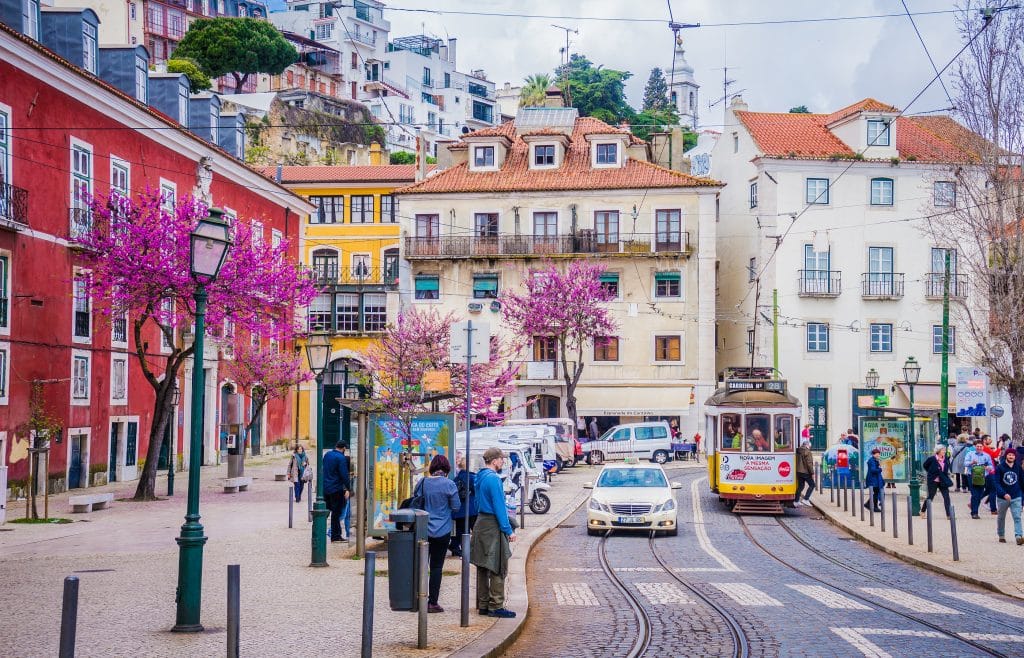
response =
{"points": [[566, 526], [93, 571]]}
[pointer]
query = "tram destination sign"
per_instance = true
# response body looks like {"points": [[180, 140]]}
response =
{"points": [[773, 385]]}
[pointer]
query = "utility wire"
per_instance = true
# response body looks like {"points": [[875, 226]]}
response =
{"points": [[920, 38]]}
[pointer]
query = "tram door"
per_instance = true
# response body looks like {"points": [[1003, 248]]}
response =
{"points": [[817, 416]]}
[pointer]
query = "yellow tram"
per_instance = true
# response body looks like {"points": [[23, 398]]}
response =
{"points": [[753, 429]]}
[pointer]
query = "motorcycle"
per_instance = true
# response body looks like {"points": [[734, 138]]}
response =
{"points": [[539, 503]]}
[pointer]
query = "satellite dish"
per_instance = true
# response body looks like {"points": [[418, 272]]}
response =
{"points": [[465, 130]]}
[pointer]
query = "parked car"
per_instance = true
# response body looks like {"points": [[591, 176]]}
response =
{"points": [[651, 440], [632, 496], [564, 436]]}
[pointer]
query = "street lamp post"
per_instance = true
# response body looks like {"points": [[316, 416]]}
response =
{"points": [[318, 353], [911, 374], [175, 398], [208, 246]]}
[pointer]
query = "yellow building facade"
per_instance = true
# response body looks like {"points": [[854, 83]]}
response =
{"points": [[351, 244]]}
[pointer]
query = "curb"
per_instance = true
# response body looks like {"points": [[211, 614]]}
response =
{"points": [[917, 562], [504, 632]]}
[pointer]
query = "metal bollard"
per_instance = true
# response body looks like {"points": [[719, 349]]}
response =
{"points": [[234, 595], [871, 509], [910, 523], [69, 618], [860, 499], [464, 612], [369, 573], [846, 491], [928, 523], [291, 503], [421, 597], [309, 500], [952, 533], [821, 483], [895, 521], [522, 499], [832, 487]]}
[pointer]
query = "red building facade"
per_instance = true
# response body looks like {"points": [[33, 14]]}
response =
{"points": [[64, 131]]}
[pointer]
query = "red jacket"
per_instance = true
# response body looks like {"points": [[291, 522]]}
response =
{"points": [[993, 453]]}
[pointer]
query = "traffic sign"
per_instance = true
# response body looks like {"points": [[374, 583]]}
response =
{"points": [[464, 334]]}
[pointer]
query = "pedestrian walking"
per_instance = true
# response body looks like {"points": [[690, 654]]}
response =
{"points": [[490, 548], [959, 455], [440, 498], [937, 469], [875, 480], [337, 488], [299, 472], [593, 431], [346, 515], [805, 433], [464, 482], [804, 472], [1008, 483], [979, 467]]}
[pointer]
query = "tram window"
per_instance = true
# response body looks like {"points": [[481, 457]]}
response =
{"points": [[757, 433], [732, 435], [783, 433]]}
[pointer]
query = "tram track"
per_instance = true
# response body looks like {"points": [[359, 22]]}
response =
{"points": [[864, 574], [643, 640], [860, 597]]}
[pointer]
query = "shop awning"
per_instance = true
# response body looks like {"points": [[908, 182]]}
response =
{"points": [[633, 400], [928, 396]]}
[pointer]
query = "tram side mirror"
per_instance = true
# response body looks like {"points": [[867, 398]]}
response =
{"points": [[588, 485], [677, 485]]}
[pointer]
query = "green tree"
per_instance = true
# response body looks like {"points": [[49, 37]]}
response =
{"points": [[197, 80], [594, 90], [239, 46], [654, 121], [535, 90], [407, 157], [799, 109], [656, 92]]}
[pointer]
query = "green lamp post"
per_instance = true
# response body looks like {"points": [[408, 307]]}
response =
{"points": [[911, 374], [175, 398], [318, 353], [208, 247]]}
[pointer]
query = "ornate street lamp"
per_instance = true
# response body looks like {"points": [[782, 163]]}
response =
{"points": [[871, 379], [175, 399], [911, 375], [318, 354], [208, 247]]}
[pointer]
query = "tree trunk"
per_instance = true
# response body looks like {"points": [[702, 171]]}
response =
{"points": [[146, 489], [240, 81], [35, 482], [1017, 402]]}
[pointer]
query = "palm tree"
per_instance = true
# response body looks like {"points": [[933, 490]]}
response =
{"points": [[535, 89]]}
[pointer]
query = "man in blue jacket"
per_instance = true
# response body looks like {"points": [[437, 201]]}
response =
{"points": [[336, 487], [1007, 482], [489, 548]]}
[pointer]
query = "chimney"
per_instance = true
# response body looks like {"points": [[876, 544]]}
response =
{"points": [[451, 51], [553, 97], [737, 103], [421, 156], [375, 154], [443, 51]]}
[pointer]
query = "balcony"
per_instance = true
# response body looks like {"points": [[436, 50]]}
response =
{"points": [[538, 246], [820, 283], [13, 207], [881, 285], [360, 36], [934, 285], [360, 276], [81, 222], [540, 370]]}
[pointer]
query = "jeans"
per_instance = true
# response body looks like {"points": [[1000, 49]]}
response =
{"points": [[1014, 507], [801, 480], [336, 504], [456, 541], [963, 482], [346, 517], [990, 491], [934, 487], [977, 493], [437, 547], [299, 484]]}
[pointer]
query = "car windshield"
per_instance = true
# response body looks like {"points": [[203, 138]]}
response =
{"points": [[632, 477]]}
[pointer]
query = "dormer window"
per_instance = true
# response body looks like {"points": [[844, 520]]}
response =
{"points": [[607, 154], [483, 156], [89, 46], [878, 132], [141, 79], [544, 155]]}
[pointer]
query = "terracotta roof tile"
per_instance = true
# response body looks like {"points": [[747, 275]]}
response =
{"points": [[345, 174], [575, 173], [866, 105], [803, 135]]}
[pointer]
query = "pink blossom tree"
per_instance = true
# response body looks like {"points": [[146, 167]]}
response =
{"points": [[138, 253], [418, 342], [266, 372], [564, 305]]}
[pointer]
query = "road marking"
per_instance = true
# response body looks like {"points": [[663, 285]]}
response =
{"points": [[861, 643], [909, 601], [651, 569], [574, 594], [991, 637], [988, 602], [664, 594], [698, 570], [574, 569], [829, 598], [639, 569], [701, 531], [745, 594]]}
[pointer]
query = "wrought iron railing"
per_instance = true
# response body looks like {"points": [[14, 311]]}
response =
{"points": [[820, 283], [81, 222], [356, 275], [935, 287], [13, 206], [451, 246], [882, 285]]}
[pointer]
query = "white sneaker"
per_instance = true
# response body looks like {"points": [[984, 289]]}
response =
{"points": [[807, 503]]}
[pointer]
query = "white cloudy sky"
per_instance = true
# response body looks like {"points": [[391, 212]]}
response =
{"points": [[821, 65]]}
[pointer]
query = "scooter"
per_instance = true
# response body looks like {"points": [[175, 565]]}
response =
{"points": [[539, 501]]}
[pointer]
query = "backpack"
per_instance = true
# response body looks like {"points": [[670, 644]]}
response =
{"points": [[465, 487], [978, 475]]}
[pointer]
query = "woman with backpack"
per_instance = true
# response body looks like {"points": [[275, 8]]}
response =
{"points": [[467, 492], [979, 467]]}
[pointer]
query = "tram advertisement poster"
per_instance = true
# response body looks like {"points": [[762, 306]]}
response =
{"points": [[890, 437], [756, 468], [429, 435]]}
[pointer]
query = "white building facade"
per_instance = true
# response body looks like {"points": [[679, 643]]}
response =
{"points": [[554, 187], [829, 213]]}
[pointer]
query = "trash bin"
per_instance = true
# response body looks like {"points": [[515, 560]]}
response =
{"points": [[403, 557]]}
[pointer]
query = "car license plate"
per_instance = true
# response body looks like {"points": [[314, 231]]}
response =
{"points": [[631, 520]]}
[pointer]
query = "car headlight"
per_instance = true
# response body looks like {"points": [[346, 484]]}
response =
{"points": [[598, 506], [666, 506]]}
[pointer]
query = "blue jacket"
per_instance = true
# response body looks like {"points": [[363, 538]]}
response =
{"points": [[440, 497], [874, 475], [491, 498], [463, 481], [1008, 480], [335, 472]]}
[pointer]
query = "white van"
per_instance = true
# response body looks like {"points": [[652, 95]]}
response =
{"points": [[541, 437], [651, 440]]}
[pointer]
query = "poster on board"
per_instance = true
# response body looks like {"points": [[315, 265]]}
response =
{"points": [[890, 437]]}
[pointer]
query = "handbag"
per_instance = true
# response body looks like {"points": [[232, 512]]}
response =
{"points": [[307, 473], [417, 501]]}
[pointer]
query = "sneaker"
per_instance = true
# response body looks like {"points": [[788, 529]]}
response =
{"points": [[993, 512], [806, 503], [975, 516], [1020, 540], [433, 607], [1002, 540], [502, 613]]}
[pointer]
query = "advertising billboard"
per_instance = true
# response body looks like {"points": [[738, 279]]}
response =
{"points": [[971, 392], [889, 436], [756, 468]]}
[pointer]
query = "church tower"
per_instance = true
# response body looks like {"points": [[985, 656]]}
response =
{"points": [[682, 88]]}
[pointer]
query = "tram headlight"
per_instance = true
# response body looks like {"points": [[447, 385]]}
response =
{"points": [[666, 506]]}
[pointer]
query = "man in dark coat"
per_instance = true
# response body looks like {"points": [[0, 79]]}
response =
{"points": [[336, 487]]}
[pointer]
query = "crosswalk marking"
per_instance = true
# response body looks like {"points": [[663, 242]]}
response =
{"points": [[828, 597], [988, 602], [991, 637], [909, 601], [664, 594], [745, 594], [856, 638], [574, 594]]}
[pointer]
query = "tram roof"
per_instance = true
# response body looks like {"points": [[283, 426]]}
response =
{"points": [[728, 397]]}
